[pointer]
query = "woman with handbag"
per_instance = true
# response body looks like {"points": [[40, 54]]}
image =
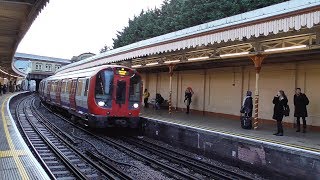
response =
{"points": [[280, 110]]}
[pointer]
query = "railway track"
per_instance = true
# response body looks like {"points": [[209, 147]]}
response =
{"points": [[54, 149], [182, 162], [213, 171]]}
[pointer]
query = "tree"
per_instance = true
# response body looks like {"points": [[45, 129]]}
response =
{"points": [[175, 15]]}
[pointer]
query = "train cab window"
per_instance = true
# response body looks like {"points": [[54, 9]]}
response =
{"points": [[135, 89], [103, 87]]}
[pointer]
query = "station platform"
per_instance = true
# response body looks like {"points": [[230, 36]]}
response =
{"points": [[295, 155], [16, 160], [309, 141]]}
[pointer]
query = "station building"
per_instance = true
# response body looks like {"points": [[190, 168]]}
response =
{"points": [[264, 51]]}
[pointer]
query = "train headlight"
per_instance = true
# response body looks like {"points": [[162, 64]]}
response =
{"points": [[136, 105], [101, 103]]}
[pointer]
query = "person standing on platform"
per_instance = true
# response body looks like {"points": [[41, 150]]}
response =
{"points": [[280, 102], [247, 106], [159, 101], [300, 109], [187, 98], [4, 88], [146, 96]]}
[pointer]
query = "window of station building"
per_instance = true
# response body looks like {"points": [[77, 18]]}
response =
{"points": [[38, 66], [57, 67], [48, 67]]}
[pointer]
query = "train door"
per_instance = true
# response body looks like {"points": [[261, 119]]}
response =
{"points": [[121, 91], [48, 90], [58, 92], [80, 98], [63, 93], [72, 94], [53, 92]]}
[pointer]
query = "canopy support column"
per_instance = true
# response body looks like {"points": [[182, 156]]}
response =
{"points": [[257, 60], [171, 67]]}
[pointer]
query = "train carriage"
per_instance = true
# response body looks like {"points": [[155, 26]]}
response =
{"points": [[103, 96]]}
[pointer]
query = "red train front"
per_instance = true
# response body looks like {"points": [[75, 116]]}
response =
{"points": [[104, 96]]}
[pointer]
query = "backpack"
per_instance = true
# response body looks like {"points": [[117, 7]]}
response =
{"points": [[286, 110]]}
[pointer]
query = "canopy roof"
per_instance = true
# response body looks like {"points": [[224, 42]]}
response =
{"points": [[16, 17], [289, 16]]}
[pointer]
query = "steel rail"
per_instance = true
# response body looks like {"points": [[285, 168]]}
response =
{"points": [[75, 170], [218, 173], [46, 122], [30, 145], [130, 151]]}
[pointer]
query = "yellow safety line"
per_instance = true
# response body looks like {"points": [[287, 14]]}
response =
{"points": [[16, 158], [249, 137], [10, 153]]}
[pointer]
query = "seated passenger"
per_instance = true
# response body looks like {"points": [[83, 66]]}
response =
{"points": [[159, 101]]}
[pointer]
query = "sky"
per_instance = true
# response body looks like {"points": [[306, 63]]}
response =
{"points": [[67, 28]]}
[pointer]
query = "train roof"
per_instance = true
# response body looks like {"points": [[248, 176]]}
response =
{"points": [[88, 72]]}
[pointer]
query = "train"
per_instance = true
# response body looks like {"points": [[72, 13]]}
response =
{"points": [[101, 97]]}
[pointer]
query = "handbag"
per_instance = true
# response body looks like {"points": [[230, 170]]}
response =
{"points": [[242, 109], [286, 110]]}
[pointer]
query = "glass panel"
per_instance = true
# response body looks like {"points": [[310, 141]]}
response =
{"points": [[121, 92], [103, 89], [86, 88], [135, 89], [79, 87]]}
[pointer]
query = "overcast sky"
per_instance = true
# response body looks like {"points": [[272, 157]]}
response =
{"points": [[67, 28]]}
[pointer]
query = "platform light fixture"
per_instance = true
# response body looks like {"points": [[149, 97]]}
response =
{"points": [[234, 54], [285, 48], [173, 61], [136, 66], [198, 58], [152, 64], [8, 73]]}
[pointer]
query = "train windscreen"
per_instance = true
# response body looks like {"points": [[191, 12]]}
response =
{"points": [[135, 89], [103, 89]]}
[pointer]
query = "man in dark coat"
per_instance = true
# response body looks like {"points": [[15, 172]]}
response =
{"points": [[300, 108], [247, 106]]}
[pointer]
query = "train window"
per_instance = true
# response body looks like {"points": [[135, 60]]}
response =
{"points": [[135, 88], [69, 86], [86, 88], [63, 87], [103, 89], [79, 87], [121, 92]]}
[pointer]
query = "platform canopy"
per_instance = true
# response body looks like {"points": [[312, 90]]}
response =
{"points": [[16, 17], [289, 26]]}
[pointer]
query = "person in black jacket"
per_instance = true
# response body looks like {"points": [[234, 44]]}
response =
{"points": [[300, 109], [247, 105], [159, 101], [280, 101], [187, 98]]}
